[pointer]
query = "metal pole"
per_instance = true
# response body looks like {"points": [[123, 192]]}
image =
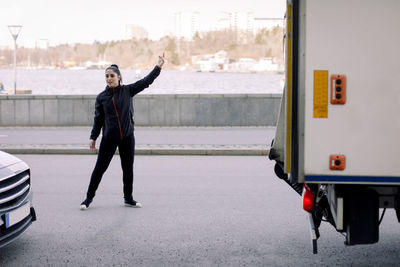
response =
{"points": [[14, 30], [15, 66]]}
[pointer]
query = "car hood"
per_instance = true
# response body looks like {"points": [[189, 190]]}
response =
{"points": [[7, 159]]}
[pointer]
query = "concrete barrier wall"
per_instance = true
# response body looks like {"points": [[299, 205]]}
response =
{"points": [[150, 110]]}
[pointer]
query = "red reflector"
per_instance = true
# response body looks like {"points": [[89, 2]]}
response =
{"points": [[308, 199]]}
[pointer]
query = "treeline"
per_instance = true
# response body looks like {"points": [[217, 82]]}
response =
{"points": [[143, 53]]}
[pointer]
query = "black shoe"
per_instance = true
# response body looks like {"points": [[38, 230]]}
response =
{"points": [[85, 204], [130, 202]]}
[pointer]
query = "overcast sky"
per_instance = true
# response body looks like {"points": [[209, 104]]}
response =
{"points": [[84, 21]]}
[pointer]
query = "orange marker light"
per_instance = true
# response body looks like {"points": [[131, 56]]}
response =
{"points": [[338, 89], [337, 162]]}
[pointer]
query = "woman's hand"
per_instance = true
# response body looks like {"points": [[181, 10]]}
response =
{"points": [[161, 61], [92, 144]]}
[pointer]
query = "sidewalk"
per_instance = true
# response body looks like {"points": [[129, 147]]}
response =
{"points": [[149, 140]]}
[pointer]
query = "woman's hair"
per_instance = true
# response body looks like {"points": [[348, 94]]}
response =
{"points": [[115, 68]]}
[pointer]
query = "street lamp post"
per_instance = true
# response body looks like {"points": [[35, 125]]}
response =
{"points": [[14, 30]]}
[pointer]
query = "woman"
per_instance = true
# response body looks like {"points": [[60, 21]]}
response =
{"points": [[114, 114]]}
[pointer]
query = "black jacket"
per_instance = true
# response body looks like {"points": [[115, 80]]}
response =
{"points": [[114, 108]]}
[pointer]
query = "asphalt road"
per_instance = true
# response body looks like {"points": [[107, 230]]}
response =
{"points": [[197, 211], [144, 135]]}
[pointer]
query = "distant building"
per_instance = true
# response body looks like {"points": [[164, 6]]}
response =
{"points": [[241, 20], [186, 24], [224, 21], [135, 31], [246, 21], [219, 62]]}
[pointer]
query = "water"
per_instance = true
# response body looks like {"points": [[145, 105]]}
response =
{"points": [[88, 82]]}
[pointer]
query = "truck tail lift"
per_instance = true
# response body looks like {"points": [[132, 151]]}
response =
{"points": [[337, 139]]}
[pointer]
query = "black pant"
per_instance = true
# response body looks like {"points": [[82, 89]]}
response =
{"points": [[107, 149]]}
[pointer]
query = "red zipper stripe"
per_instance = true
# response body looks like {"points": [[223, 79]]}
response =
{"points": [[116, 111]]}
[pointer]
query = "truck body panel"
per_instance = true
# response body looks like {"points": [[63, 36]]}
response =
{"points": [[346, 37]]}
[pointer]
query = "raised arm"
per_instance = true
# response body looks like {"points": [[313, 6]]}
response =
{"points": [[140, 85]]}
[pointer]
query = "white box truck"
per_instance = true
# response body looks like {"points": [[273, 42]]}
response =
{"points": [[337, 139]]}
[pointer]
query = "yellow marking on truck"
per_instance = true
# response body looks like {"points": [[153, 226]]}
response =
{"points": [[288, 88], [321, 81]]}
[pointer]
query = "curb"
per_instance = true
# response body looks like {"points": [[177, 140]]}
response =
{"points": [[141, 151]]}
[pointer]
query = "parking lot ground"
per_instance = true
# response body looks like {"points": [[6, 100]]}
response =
{"points": [[197, 211]]}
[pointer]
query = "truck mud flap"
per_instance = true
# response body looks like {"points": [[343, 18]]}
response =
{"points": [[362, 212]]}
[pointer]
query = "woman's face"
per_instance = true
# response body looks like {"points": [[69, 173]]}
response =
{"points": [[112, 78]]}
